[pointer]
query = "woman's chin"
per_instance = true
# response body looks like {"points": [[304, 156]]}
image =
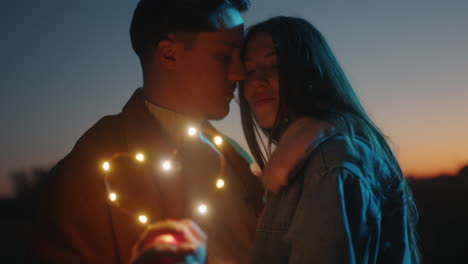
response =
{"points": [[265, 120], [266, 124]]}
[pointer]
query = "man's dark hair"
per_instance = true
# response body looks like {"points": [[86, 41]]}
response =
{"points": [[153, 20]]}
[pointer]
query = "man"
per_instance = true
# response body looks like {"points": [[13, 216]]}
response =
{"points": [[99, 197]]}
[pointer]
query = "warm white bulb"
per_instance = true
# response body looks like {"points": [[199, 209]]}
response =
{"points": [[140, 157], [202, 209], [166, 239], [143, 219], [218, 140], [167, 165], [106, 166], [113, 197], [192, 131], [220, 183]]}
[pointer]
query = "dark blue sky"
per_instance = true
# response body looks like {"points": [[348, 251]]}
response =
{"points": [[65, 64]]}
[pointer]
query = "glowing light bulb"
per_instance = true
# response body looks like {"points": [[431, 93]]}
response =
{"points": [[166, 239], [106, 166], [218, 140], [192, 131], [220, 183], [167, 165], [113, 197], [202, 209], [140, 157], [143, 219]]}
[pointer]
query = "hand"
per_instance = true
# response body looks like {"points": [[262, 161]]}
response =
{"points": [[171, 241]]}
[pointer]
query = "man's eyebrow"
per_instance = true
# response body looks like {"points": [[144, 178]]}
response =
{"points": [[267, 55]]}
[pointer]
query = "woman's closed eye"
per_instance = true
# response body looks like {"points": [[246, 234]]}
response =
{"points": [[268, 70]]}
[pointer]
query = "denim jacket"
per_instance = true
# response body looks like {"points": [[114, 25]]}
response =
{"points": [[329, 213]]}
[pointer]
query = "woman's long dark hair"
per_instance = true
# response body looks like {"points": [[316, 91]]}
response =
{"points": [[312, 83]]}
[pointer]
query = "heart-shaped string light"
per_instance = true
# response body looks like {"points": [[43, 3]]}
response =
{"points": [[166, 166]]}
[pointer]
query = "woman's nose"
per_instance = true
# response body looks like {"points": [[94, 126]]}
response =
{"points": [[257, 78]]}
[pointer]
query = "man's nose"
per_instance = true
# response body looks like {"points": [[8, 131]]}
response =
{"points": [[236, 68]]}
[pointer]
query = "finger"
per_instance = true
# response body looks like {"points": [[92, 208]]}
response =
{"points": [[160, 228], [164, 248], [187, 248], [195, 229], [164, 227], [188, 235]]}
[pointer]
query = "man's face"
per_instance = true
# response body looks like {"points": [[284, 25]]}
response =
{"points": [[210, 68]]}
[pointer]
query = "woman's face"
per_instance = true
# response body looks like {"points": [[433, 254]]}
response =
{"points": [[261, 87]]}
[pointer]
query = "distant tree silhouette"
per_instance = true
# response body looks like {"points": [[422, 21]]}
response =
{"points": [[16, 221], [22, 184], [443, 208], [463, 172], [26, 184]]}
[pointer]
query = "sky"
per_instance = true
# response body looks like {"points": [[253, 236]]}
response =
{"points": [[65, 64]]}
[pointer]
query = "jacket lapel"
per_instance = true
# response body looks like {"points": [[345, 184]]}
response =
{"points": [[250, 182], [143, 188], [145, 134]]}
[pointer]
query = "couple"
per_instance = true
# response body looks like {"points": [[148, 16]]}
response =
{"points": [[334, 192]]}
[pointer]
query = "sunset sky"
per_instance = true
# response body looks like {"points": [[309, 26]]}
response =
{"points": [[65, 64]]}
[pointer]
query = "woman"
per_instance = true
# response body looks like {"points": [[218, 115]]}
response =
{"points": [[336, 193]]}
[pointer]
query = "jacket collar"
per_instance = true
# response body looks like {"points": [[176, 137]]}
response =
{"points": [[297, 142], [143, 132]]}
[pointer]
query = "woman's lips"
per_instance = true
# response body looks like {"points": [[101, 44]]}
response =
{"points": [[263, 100]]}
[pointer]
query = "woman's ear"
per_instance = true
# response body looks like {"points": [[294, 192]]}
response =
{"points": [[167, 52]]}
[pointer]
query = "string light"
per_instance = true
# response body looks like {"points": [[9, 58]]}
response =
{"points": [[140, 157], [106, 166], [202, 209], [192, 131], [218, 140], [167, 165], [220, 183], [143, 219], [113, 197]]}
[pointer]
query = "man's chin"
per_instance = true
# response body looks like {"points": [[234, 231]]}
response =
{"points": [[218, 115]]}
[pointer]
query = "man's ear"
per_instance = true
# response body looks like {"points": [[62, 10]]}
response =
{"points": [[168, 50]]}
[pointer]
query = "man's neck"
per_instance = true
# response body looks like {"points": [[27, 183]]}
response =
{"points": [[170, 102], [176, 124]]}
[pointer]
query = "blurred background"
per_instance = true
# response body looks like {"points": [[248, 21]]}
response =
{"points": [[68, 63]]}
